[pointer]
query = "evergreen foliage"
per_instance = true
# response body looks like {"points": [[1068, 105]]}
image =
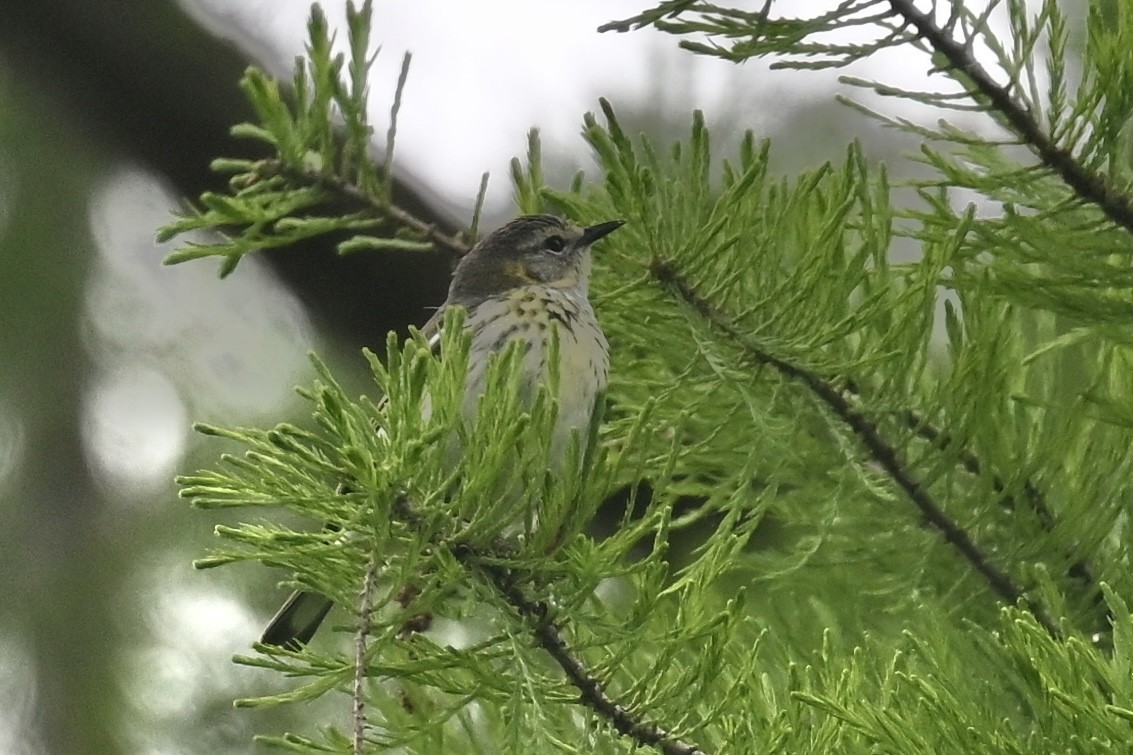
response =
{"points": [[872, 506]]}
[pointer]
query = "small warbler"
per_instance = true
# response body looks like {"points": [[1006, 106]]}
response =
{"points": [[520, 283]]}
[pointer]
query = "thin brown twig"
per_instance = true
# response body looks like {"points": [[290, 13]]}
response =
{"points": [[879, 449], [361, 636]]}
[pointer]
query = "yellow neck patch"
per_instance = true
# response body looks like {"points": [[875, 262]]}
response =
{"points": [[517, 270]]}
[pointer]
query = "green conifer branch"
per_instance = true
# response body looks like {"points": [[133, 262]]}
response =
{"points": [[1063, 147], [317, 169], [1079, 569], [1090, 186], [545, 628], [343, 189], [880, 451]]}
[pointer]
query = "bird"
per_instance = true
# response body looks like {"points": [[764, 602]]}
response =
{"points": [[522, 282]]}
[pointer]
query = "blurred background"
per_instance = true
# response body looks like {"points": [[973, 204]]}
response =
{"points": [[109, 116]]}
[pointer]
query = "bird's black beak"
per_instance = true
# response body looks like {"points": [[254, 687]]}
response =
{"points": [[595, 232]]}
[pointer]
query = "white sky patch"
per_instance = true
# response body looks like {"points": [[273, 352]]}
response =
{"points": [[134, 427], [174, 343], [484, 73], [18, 699], [182, 660], [178, 671], [195, 634]]}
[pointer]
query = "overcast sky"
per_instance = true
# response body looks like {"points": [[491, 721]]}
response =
{"points": [[484, 72]]}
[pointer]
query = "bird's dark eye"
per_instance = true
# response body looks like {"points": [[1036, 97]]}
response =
{"points": [[555, 244]]}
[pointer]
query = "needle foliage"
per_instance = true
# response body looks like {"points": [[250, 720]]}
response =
{"points": [[861, 504]]}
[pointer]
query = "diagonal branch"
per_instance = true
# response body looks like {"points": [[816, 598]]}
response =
{"points": [[878, 448], [592, 694], [943, 441], [971, 463], [1090, 186], [627, 722]]}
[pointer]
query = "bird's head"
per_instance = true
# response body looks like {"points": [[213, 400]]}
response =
{"points": [[530, 250]]}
